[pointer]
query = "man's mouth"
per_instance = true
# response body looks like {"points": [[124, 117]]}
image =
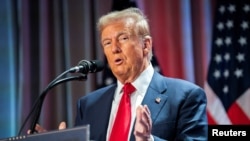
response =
{"points": [[118, 61]]}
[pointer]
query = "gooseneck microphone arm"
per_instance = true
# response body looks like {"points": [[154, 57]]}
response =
{"points": [[36, 109], [43, 95], [84, 67]]}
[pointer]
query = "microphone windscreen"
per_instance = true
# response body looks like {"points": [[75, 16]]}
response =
{"points": [[99, 65], [92, 66]]}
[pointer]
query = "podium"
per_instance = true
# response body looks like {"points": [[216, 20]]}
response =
{"points": [[80, 133]]}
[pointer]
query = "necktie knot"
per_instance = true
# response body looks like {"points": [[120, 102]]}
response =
{"points": [[128, 88]]}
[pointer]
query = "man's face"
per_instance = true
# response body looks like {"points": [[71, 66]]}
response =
{"points": [[124, 51]]}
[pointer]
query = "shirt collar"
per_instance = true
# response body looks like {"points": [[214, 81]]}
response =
{"points": [[142, 82]]}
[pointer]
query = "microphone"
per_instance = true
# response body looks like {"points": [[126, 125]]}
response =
{"points": [[86, 66], [83, 66]]}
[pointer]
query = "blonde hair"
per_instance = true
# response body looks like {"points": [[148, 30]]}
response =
{"points": [[140, 22]]}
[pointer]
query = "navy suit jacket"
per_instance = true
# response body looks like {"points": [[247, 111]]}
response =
{"points": [[180, 114]]}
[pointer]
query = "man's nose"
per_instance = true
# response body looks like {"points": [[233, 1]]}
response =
{"points": [[116, 47]]}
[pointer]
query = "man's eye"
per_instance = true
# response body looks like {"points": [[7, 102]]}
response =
{"points": [[106, 43], [123, 38]]}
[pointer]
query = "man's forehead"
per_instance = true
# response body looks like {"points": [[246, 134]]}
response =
{"points": [[114, 30]]}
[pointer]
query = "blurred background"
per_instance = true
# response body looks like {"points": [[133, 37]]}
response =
{"points": [[202, 41]]}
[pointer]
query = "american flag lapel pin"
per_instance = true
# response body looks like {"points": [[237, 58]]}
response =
{"points": [[158, 100]]}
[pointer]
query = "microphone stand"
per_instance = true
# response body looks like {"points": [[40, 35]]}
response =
{"points": [[39, 101]]}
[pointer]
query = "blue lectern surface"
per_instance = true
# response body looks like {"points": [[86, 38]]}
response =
{"points": [[80, 133]]}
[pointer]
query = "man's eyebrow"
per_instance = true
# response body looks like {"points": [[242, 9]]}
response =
{"points": [[119, 34]]}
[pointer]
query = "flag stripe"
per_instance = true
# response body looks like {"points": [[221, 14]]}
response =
{"points": [[239, 112], [237, 115], [244, 103], [215, 107], [210, 119]]}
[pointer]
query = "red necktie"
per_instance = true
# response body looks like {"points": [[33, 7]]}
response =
{"points": [[122, 121]]}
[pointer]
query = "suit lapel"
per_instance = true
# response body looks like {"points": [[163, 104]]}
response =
{"points": [[157, 90], [103, 106], [156, 96]]}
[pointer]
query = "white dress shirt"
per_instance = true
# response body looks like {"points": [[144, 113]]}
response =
{"points": [[141, 84]]}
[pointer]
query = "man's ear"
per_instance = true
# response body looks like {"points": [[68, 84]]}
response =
{"points": [[147, 45], [147, 42]]}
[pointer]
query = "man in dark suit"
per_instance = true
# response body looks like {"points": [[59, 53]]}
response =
{"points": [[162, 108]]}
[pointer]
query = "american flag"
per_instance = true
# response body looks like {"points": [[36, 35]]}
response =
{"points": [[228, 81]]}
